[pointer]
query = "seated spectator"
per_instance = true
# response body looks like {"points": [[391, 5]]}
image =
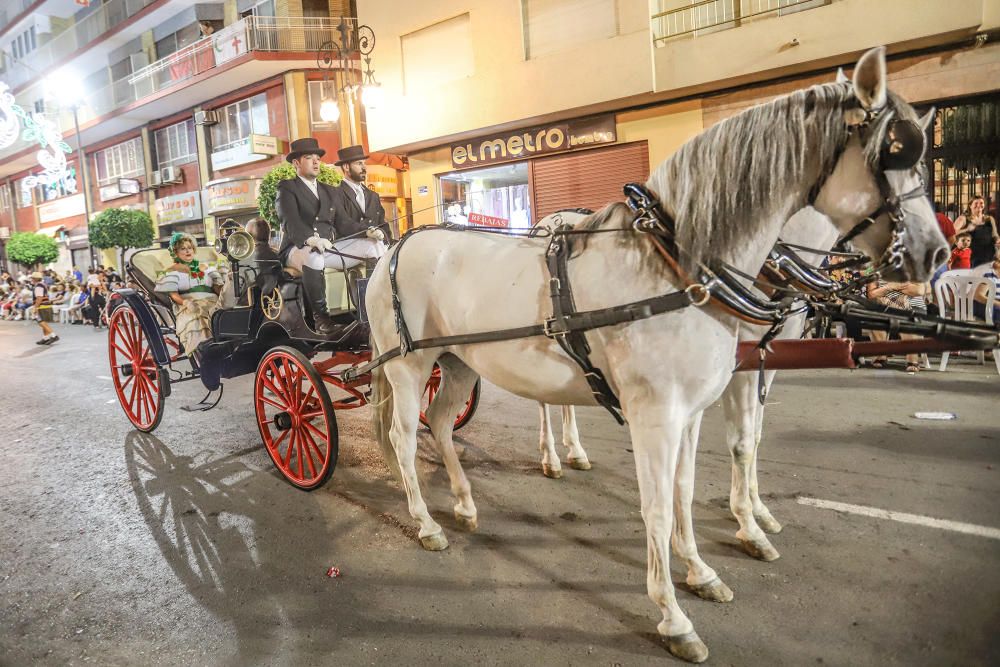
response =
{"points": [[93, 279], [903, 296], [961, 254], [97, 299], [980, 304], [75, 312]]}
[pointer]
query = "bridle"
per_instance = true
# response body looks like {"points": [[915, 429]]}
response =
{"points": [[902, 149]]}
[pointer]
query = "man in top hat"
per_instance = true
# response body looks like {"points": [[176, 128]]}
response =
{"points": [[306, 209], [360, 215]]}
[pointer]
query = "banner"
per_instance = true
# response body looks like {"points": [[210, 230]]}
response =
{"points": [[487, 221]]}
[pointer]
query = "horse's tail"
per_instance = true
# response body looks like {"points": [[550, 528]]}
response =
{"points": [[382, 408]]}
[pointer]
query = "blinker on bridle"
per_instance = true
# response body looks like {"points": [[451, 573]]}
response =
{"points": [[902, 149]]}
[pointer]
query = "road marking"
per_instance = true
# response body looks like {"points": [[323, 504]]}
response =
{"points": [[113, 400], [903, 517], [103, 377]]}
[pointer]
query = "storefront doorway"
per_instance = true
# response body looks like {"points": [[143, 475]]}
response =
{"points": [[497, 196]]}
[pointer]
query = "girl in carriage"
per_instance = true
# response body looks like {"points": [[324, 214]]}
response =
{"points": [[193, 288]]}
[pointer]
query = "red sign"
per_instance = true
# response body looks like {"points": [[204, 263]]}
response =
{"points": [[487, 220]]}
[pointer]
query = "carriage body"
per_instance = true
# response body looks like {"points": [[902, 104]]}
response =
{"points": [[262, 327]]}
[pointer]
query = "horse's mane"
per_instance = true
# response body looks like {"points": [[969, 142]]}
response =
{"points": [[722, 184]]}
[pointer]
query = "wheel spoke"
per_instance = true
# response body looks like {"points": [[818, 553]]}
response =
{"points": [[127, 382], [271, 402], [304, 449], [270, 385], [305, 400], [277, 441], [279, 385], [116, 346], [291, 446], [315, 430], [298, 452], [319, 453]]}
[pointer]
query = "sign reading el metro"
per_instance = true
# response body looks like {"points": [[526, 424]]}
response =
{"points": [[535, 141]]}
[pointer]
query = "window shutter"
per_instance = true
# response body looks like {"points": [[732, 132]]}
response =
{"points": [[587, 179]]}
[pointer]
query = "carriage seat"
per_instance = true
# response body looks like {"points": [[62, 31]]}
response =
{"points": [[146, 266], [337, 285]]}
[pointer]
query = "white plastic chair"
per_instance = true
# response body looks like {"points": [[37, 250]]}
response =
{"points": [[957, 294]]}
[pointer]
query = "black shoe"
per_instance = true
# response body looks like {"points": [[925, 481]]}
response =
{"points": [[315, 287], [52, 340], [44, 341]]}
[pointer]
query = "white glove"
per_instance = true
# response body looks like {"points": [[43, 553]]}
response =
{"points": [[375, 233], [316, 242], [327, 245]]}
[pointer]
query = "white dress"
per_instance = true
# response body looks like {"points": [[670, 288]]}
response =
{"points": [[194, 318]]}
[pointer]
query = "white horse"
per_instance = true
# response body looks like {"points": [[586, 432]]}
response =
{"points": [[729, 199]]}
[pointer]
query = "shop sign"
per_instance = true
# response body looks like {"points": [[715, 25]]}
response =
{"points": [[236, 154], [535, 141], [65, 207], [382, 180], [178, 208], [231, 195], [263, 144], [230, 42], [487, 220]]}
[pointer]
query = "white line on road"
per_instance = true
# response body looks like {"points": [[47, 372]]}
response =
{"points": [[113, 400], [903, 517], [103, 377]]}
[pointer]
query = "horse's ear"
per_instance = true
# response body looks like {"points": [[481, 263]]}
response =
{"points": [[928, 118], [870, 79], [841, 77]]}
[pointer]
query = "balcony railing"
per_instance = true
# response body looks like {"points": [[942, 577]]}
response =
{"points": [[76, 36], [687, 17]]}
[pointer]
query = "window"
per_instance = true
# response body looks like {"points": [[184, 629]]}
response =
{"points": [[319, 91], [175, 144], [39, 105], [121, 160], [23, 194], [262, 8], [4, 198], [178, 40], [437, 54], [65, 186], [239, 120], [24, 43], [551, 26]]}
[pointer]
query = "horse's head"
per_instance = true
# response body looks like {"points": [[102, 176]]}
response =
{"points": [[875, 192]]}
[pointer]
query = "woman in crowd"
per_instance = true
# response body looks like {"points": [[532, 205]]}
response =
{"points": [[193, 288], [902, 296], [983, 230]]}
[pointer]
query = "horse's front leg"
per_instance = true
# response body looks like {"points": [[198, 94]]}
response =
{"points": [[551, 467], [656, 443], [408, 377], [576, 457], [739, 402], [702, 579], [760, 512]]}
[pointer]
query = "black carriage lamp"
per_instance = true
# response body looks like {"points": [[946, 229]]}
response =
{"points": [[333, 55], [233, 241]]}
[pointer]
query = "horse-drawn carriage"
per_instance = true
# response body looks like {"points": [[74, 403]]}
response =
{"points": [[264, 328]]}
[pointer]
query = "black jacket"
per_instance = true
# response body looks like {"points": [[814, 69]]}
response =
{"points": [[350, 219], [303, 215]]}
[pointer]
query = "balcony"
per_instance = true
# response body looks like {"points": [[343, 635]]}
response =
{"points": [[75, 37], [250, 50], [710, 15]]}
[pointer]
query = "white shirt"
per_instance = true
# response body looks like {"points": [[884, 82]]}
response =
{"points": [[359, 193], [311, 184]]}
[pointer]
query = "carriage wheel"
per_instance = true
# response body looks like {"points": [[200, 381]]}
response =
{"points": [[433, 385], [295, 418], [138, 381]]}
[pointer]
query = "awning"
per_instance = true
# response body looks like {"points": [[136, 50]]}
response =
{"points": [[51, 231]]}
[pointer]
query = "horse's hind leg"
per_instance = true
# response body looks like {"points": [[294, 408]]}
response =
{"points": [[576, 457], [656, 440], [408, 377], [551, 467], [739, 401], [760, 512], [457, 381], [702, 579]]}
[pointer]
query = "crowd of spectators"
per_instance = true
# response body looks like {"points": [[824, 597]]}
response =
{"points": [[70, 298]]}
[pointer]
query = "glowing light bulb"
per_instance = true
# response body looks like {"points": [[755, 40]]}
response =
{"points": [[329, 112], [372, 96]]}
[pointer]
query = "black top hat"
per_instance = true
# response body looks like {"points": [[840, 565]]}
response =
{"points": [[306, 146], [350, 154]]}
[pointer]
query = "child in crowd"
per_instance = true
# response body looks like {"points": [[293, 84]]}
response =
{"points": [[961, 255]]}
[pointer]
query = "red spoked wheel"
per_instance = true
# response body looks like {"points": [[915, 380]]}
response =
{"points": [[296, 418], [433, 385], [138, 381]]}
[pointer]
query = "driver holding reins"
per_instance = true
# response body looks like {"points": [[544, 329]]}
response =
{"points": [[319, 232]]}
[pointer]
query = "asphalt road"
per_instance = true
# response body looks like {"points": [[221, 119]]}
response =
{"points": [[185, 547]]}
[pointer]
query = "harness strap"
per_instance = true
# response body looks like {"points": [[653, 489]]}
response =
{"points": [[574, 341]]}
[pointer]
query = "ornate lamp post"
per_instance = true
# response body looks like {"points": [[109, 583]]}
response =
{"points": [[332, 56]]}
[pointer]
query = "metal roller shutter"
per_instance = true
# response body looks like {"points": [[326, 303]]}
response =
{"points": [[586, 179]]}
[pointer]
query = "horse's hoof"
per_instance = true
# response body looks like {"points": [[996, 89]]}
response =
{"points": [[578, 464], [469, 523], [688, 647], [435, 542], [550, 472], [764, 551], [768, 524], [713, 591]]}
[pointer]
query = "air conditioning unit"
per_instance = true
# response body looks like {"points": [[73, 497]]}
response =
{"points": [[170, 175], [207, 117], [154, 180]]}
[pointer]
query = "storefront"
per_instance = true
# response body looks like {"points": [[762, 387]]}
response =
{"points": [[230, 199], [64, 220], [179, 213], [512, 180]]}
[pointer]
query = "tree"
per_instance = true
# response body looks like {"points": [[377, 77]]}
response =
{"points": [[121, 228], [31, 249], [283, 172]]}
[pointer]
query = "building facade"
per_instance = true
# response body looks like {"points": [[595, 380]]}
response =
{"points": [[508, 111], [184, 107]]}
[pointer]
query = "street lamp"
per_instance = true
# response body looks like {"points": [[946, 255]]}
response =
{"points": [[69, 91], [333, 54]]}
